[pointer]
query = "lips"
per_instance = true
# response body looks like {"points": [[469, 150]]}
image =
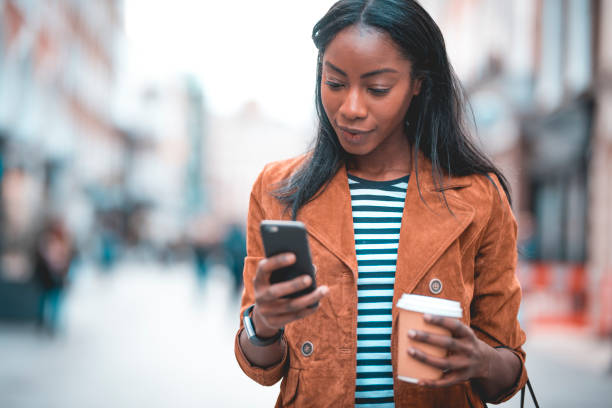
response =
{"points": [[352, 131], [353, 136]]}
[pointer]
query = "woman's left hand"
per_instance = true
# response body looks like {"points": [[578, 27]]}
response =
{"points": [[468, 357]]}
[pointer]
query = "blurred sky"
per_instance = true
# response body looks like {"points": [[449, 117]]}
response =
{"points": [[240, 50]]}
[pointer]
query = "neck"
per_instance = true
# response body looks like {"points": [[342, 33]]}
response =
{"points": [[382, 165]]}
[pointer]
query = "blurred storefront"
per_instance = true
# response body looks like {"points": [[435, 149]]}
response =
{"points": [[540, 87], [57, 70]]}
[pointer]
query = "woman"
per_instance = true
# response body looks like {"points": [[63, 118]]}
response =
{"points": [[396, 199]]}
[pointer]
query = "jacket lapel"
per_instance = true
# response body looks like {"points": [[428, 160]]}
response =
{"points": [[428, 228], [329, 220]]}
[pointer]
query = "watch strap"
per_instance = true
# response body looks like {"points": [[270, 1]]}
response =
{"points": [[250, 329]]}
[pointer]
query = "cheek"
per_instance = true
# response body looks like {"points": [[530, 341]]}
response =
{"points": [[386, 114], [330, 102], [394, 111]]}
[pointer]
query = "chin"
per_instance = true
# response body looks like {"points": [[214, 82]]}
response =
{"points": [[355, 150]]}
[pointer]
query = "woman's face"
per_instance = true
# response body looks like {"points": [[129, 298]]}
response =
{"points": [[366, 89]]}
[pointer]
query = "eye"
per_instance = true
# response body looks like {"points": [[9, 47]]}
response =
{"points": [[379, 91], [334, 85]]}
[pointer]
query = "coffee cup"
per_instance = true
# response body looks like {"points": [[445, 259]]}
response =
{"points": [[411, 310]]}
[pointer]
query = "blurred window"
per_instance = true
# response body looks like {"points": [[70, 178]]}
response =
{"points": [[560, 210], [549, 213], [2, 46], [558, 155], [550, 86], [579, 47], [575, 216]]}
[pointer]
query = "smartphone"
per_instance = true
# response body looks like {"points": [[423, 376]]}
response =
{"points": [[288, 236]]}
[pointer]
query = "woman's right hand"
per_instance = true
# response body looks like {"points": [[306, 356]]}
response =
{"points": [[272, 311]]}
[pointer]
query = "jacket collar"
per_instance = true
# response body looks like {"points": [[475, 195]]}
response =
{"points": [[428, 228]]}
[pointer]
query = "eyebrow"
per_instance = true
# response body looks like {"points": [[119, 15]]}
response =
{"points": [[367, 74]]}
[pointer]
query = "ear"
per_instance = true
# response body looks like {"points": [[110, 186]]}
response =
{"points": [[416, 86]]}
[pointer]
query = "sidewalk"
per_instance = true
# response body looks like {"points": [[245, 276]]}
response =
{"points": [[568, 368], [142, 336], [146, 335]]}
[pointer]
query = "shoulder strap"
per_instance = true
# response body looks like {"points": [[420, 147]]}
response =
{"points": [[533, 397]]}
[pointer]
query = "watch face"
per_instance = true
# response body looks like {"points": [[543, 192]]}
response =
{"points": [[248, 324]]}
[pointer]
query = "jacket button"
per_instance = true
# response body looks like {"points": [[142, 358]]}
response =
{"points": [[435, 286], [307, 348]]}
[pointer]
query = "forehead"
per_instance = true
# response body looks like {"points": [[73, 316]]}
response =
{"points": [[361, 49]]}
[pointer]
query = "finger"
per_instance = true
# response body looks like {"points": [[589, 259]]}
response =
{"points": [[448, 379], [273, 307], [278, 307], [308, 300], [278, 290], [268, 265], [456, 327], [443, 363], [286, 318], [445, 342]]}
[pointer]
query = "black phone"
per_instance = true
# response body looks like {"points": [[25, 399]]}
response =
{"points": [[288, 236]]}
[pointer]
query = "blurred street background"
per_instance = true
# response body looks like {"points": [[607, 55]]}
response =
{"points": [[131, 132]]}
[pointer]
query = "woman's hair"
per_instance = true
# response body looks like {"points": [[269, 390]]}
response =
{"points": [[435, 121]]}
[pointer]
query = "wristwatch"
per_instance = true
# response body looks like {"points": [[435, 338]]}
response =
{"points": [[250, 329]]}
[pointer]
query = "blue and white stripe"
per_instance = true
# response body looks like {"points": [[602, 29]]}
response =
{"points": [[377, 216]]}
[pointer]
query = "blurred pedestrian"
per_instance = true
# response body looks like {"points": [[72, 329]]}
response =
{"points": [[235, 249], [110, 242], [53, 256], [206, 237], [392, 148]]}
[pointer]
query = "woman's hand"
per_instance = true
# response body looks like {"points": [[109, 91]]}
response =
{"points": [[468, 357], [272, 311]]}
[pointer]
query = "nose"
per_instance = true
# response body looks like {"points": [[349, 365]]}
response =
{"points": [[353, 107]]}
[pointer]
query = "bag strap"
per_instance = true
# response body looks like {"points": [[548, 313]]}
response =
{"points": [[533, 397]]}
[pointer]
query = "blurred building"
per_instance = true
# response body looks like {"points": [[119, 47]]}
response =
{"points": [[238, 148], [58, 137], [540, 86], [600, 183], [166, 169]]}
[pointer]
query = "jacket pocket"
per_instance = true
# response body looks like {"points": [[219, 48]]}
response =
{"points": [[289, 389]]}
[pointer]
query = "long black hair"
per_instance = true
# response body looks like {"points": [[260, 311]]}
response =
{"points": [[435, 121]]}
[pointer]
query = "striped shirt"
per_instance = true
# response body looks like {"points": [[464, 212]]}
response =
{"points": [[377, 216]]}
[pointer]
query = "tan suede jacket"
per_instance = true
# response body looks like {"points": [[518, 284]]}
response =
{"points": [[473, 253]]}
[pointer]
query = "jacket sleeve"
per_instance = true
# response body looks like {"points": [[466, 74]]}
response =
{"points": [[255, 252], [497, 292]]}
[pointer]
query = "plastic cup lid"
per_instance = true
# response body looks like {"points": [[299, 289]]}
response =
{"points": [[431, 305]]}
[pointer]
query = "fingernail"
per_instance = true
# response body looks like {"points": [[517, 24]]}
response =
{"points": [[289, 257], [427, 317], [324, 290], [411, 333], [306, 279], [412, 352]]}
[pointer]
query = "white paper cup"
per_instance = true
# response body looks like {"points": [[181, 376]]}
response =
{"points": [[411, 311]]}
